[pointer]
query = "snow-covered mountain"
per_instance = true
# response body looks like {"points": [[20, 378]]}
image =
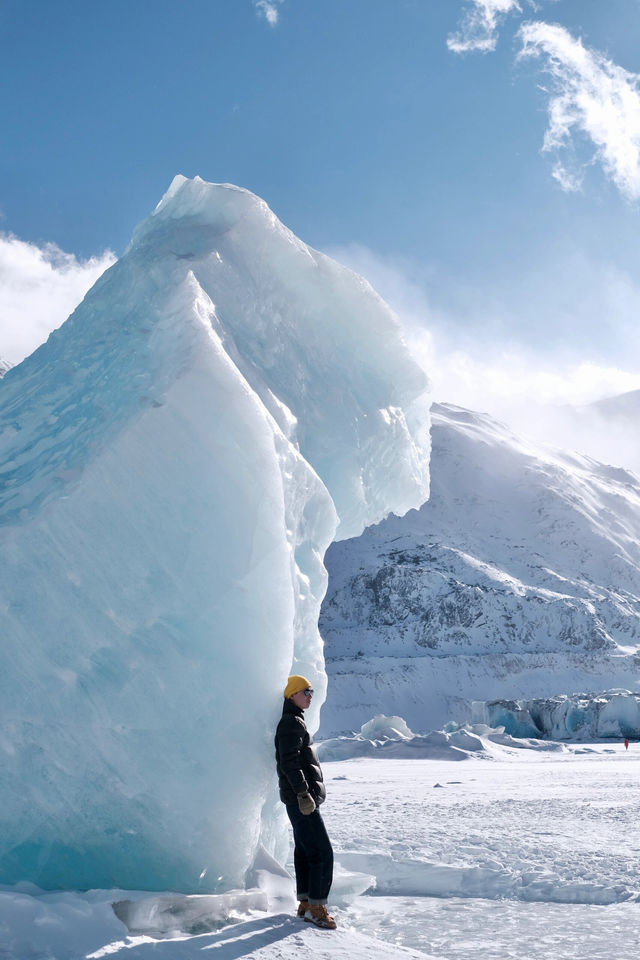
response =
{"points": [[624, 406], [175, 460], [519, 578], [606, 429], [4, 366]]}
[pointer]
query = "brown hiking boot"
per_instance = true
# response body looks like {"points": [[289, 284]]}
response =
{"points": [[319, 916], [303, 906]]}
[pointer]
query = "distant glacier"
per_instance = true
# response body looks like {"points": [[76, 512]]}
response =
{"points": [[613, 714]]}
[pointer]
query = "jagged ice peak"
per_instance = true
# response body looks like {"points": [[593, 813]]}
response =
{"points": [[175, 461]]}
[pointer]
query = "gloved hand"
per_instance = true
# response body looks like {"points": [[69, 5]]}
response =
{"points": [[306, 803]]}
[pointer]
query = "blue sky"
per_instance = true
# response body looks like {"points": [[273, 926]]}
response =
{"points": [[405, 136]]}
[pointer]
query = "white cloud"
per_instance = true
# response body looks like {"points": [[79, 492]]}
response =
{"points": [[570, 180], [592, 97], [478, 27], [513, 377], [268, 9], [39, 288]]}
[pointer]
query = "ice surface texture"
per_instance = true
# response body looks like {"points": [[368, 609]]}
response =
{"points": [[520, 578], [169, 464]]}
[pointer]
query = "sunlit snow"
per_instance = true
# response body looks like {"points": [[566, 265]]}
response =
{"points": [[522, 855]]}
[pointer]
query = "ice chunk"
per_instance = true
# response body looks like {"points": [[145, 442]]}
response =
{"points": [[385, 728], [170, 461], [348, 884], [173, 916], [454, 742], [514, 717]]}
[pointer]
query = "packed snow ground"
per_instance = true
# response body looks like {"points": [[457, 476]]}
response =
{"points": [[524, 855]]}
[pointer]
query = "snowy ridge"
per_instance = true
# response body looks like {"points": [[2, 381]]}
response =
{"points": [[605, 429], [171, 462], [4, 367], [624, 406], [519, 578]]}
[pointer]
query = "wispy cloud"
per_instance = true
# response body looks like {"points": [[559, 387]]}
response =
{"points": [[479, 25], [268, 9], [39, 288], [590, 96]]}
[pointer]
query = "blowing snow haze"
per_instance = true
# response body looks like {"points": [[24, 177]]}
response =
{"points": [[176, 459]]}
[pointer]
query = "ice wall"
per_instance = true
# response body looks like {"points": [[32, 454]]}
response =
{"points": [[581, 716], [170, 460]]}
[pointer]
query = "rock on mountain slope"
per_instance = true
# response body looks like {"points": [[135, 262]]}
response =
{"points": [[519, 578], [173, 463]]}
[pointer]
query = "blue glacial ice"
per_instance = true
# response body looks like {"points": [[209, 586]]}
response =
{"points": [[581, 716], [174, 462]]}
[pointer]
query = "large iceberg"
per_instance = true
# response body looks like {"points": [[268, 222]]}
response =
{"points": [[174, 462]]}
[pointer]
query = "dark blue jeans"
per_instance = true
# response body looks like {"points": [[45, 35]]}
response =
{"points": [[312, 855]]}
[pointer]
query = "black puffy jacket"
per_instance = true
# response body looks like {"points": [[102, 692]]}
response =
{"points": [[296, 759]]}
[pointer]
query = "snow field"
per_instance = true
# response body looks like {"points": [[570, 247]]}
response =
{"points": [[72, 926], [532, 856], [455, 929], [526, 856], [537, 829]]}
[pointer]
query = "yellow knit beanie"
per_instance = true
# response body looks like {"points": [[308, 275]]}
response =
{"points": [[294, 685]]}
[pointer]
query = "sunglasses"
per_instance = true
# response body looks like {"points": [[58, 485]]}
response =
{"points": [[308, 692]]}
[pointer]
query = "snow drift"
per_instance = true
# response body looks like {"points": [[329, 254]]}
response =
{"points": [[520, 578], [172, 460], [390, 738]]}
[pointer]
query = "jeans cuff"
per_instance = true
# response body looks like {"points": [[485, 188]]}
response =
{"points": [[316, 902], [302, 896]]}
